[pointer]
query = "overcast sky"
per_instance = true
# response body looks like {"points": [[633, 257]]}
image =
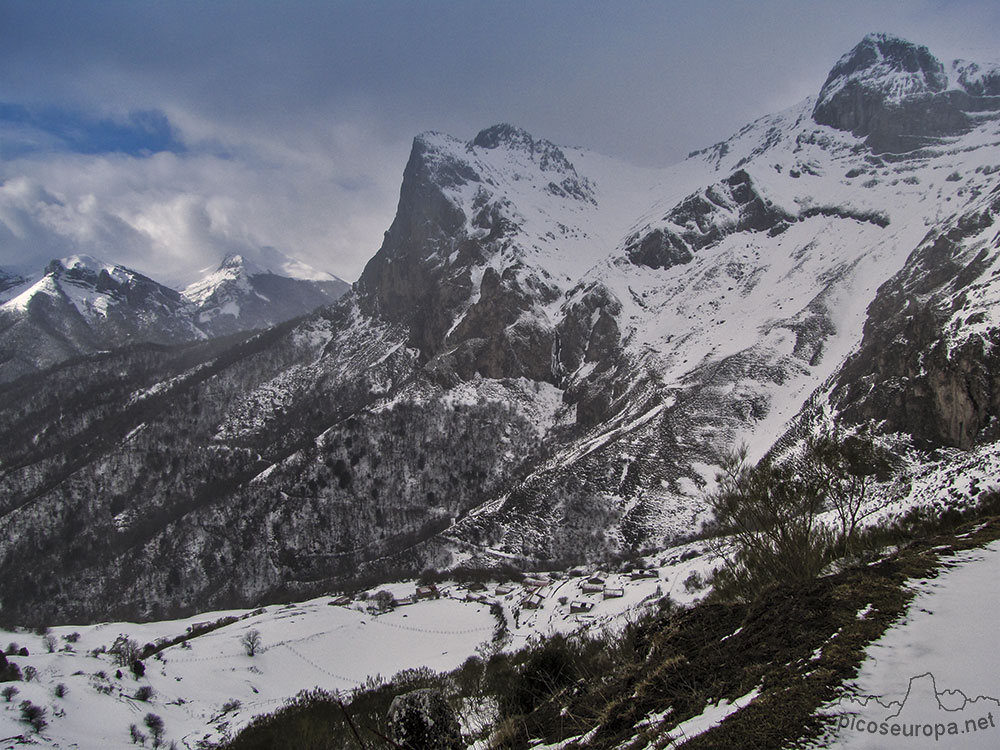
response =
{"points": [[163, 134]]}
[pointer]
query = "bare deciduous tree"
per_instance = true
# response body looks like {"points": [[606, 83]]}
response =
{"points": [[251, 642], [125, 651]]}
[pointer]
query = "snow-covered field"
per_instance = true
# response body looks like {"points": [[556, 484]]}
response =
{"points": [[302, 646], [210, 688]]}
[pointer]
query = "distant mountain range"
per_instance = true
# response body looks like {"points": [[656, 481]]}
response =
{"points": [[80, 305], [546, 358]]}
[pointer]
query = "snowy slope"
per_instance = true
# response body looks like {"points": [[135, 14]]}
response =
{"points": [[935, 673]]}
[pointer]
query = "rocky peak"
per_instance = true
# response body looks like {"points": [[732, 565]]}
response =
{"points": [[893, 65], [881, 70], [503, 134], [410, 279], [897, 94], [460, 206], [547, 155], [233, 261], [436, 161], [236, 265], [85, 271]]}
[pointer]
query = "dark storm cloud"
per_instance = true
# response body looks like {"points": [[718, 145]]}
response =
{"points": [[635, 76], [314, 103]]}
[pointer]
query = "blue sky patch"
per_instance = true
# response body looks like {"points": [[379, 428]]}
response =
{"points": [[26, 130]]}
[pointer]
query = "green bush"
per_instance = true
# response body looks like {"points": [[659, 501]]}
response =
{"points": [[769, 512]]}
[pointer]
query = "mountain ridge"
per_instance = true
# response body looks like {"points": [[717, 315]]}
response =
{"points": [[545, 359]]}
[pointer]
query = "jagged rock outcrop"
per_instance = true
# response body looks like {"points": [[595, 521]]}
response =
{"points": [[703, 219], [436, 271], [588, 331], [496, 339]]}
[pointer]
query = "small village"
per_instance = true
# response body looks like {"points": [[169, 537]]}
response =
{"points": [[534, 603]]}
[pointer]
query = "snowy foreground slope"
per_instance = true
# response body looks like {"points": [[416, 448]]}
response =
{"points": [[932, 679]]}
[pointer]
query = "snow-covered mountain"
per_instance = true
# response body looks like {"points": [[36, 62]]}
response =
{"points": [[546, 358], [242, 294], [901, 97], [80, 305]]}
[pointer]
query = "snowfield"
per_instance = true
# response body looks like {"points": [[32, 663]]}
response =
{"points": [[209, 688], [302, 646], [935, 674]]}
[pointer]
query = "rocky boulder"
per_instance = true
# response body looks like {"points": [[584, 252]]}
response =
{"points": [[423, 720]]}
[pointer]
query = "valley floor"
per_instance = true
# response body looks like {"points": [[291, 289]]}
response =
{"points": [[933, 668], [207, 688], [204, 692]]}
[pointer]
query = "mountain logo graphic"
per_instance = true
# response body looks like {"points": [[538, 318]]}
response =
{"points": [[926, 716]]}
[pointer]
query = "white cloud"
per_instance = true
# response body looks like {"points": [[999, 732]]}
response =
{"points": [[170, 215]]}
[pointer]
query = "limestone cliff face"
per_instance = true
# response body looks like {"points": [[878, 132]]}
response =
{"points": [[589, 329], [411, 279], [929, 363], [450, 267], [494, 338]]}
